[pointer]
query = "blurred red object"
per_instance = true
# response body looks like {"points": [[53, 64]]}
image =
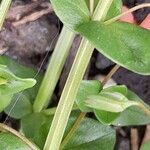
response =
{"points": [[130, 19]]}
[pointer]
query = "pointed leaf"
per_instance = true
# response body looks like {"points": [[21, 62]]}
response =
{"points": [[115, 9], [13, 83], [112, 102], [120, 42], [108, 117], [71, 12], [87, 88], [92, 135], [133, 115], [9, 141]]}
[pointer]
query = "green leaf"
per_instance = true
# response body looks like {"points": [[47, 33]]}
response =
{"points": [[9, 141], [71, 12], [115, 9], [109, 101], [108, 117], [14, 84], [92, 135], [21, 108], [145, 146], [120, 42], [35, 127], [133, 115], [4, 101], [23, 72], [26, 96], [105, 117], [117, 88], [87, 88], [11, 84]]}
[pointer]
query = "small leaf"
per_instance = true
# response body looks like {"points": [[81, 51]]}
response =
{"points": [[117, 88], [133, 115], [35, 127], [105, 117], [30, 94], [71, 12], [120, 42], [92, 135], [115, 9], [21, 108], [108, 117], [14, 84], [145, 146], [87, 88], [107, 101], [4, 101], [23, 72], [9, 141]]}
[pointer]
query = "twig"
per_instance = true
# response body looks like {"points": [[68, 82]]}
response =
{"points": [[32, 17], [106, 79], [147, 134], [5, 128], [15, 13], [73, 130], [134, 139]]}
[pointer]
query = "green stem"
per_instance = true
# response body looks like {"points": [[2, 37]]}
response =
{"points": [[51, 111], [67, 98], [73, 130], [127, 12], [54, 69], [4, 7], [4, 128], [91, 5], [66, 102]]}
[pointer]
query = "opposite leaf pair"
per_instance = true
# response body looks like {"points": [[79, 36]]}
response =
{"points": [[120, 42], [113, 105]]}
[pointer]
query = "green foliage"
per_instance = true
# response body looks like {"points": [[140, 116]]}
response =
{"points": [[71, 13], [121, 42], [115, 9], [145, 146], [35, 127], [87, 88], [11, 84], [11, 142], [92, 135], [109, 101], [23, 72], [21, 108], [24, 100], [133, 115]]}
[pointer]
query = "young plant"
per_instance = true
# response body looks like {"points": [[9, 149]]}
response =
{"points": [[97, 23]]}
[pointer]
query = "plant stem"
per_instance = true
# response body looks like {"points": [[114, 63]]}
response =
{"points": [[4, 7], [51, 111], [78, 121], [76, 74], [68, 95], [73, 130], [4, 128], [91, 6], [127, 12], [110, 74], [54, 69]]}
